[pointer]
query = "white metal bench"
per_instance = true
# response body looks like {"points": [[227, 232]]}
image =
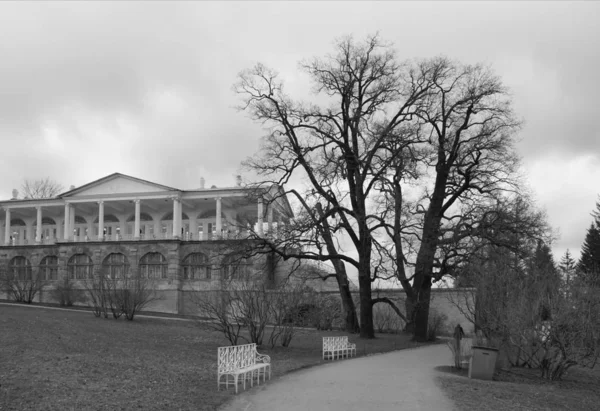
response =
{"points": [[337, 347], [241, 360]]}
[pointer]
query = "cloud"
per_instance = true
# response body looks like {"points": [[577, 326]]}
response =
{"points": [[567, 189], [90, 88]]}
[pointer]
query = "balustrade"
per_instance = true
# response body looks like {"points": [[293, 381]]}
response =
{"points": [[225, 235]]}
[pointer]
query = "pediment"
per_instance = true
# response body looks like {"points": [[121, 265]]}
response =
{"points": [[116, 184]]}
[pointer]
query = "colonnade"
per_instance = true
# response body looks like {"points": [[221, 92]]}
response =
{"points": [[69, 219]]}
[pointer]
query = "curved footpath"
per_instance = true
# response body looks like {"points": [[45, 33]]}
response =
{"points": [[400, 380]]}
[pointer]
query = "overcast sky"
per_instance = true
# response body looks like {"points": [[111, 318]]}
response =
{"points": [[88, 89]]}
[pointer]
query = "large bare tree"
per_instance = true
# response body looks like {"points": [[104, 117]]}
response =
{"points": [[42, 188], [435, 129]]}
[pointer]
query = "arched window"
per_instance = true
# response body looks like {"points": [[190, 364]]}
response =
{"points": [[115, 265], [153, 265], [108, 218], [143, 217], [196, 267], [169, 216], [20, 268], [80, 220], [17, 222], [80, 267], [208, 214], [235, 266], [45, 221], [49, 267]]}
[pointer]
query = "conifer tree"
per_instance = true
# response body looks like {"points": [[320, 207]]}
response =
{"points": [[567, 267], [589, 261]]}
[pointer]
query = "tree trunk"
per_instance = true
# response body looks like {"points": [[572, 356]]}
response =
{"points": [[409, 307], [421, 311], [364, 281], [351, 320], [425, 258]]}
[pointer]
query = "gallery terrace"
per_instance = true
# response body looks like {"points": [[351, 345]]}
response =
{"points": [[124, 208]]}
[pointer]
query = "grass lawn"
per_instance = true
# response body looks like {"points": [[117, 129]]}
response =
{"points": [[64, 360], [523, 389]]}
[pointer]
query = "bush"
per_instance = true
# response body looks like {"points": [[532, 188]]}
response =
{"points": [[124, 295], [301, 315], [327, 313], [437, 323], [21, 287], [246, 303], [386, 320], [66, 294]]}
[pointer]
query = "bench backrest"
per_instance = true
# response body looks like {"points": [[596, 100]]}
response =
{"points": [[236, 356], [333, 343]]}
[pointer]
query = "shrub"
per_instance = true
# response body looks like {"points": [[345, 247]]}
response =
{"points": [[386, 320], [21, 287], [327, 312], [123, 295], [66, 294], [437, 322]]}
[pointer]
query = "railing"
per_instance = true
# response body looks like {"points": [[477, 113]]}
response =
{"points": [[165, 236], [21, 241], [130, 237]]}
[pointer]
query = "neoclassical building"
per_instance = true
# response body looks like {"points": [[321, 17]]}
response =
{"points": [[121, 222]]}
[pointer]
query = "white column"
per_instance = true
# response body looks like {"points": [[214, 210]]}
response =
{"points": [[193, 227], [38, 229], [179, 218], [67, 222], [136, 228], [176, 213], [100, 220], [59, 231], [7, 228], [122, 227], [158, 228], [260, 217], [29, 236], [219, 221], [72, 221], [270, 219]]}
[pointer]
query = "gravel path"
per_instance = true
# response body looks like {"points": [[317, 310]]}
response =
{"points": [[400, 380]]}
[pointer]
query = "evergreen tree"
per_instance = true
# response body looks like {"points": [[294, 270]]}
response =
{"points": [[589, 262], [543, 278], [567, 267]]}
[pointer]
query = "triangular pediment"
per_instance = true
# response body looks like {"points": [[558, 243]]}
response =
{"points": [[117, 184]]}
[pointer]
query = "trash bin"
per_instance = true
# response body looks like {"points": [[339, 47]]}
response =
{"points": [[483, 363]]}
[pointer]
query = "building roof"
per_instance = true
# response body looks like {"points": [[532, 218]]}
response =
{"points": [[112, 177], [118, 183]]}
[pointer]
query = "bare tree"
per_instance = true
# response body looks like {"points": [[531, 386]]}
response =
{"points": [[334, 147], [245, 306], [21, 283], [42, 188], [124, 294], [535, 325], [434, 130], [96, 289]]}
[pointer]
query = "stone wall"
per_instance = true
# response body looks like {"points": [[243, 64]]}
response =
{"points": [[169, 290], [447, 304], [176, 295]]}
